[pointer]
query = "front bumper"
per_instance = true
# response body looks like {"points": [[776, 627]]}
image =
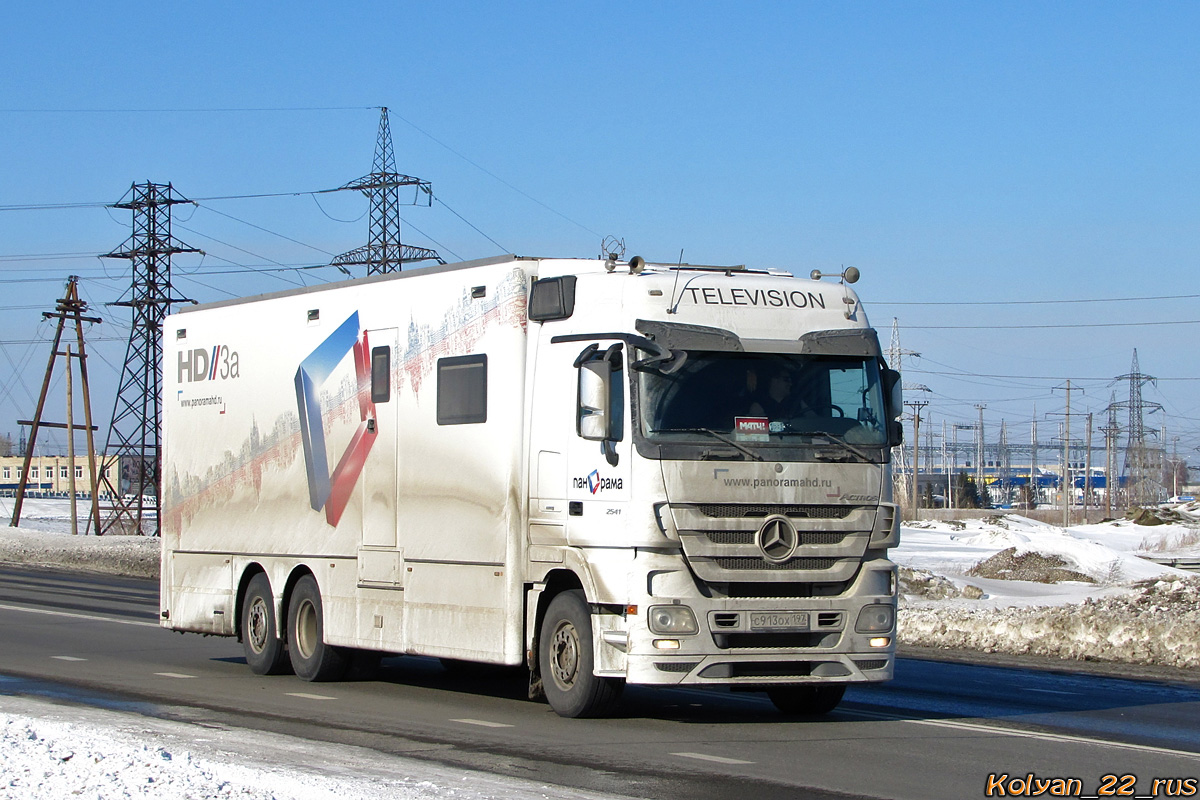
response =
{"points": [[761, 641]]}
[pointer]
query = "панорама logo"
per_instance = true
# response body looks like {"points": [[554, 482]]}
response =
{"points": [[594, 483], [331, 491]]}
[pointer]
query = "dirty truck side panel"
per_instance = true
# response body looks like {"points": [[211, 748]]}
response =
{"points": [[276, 456]]}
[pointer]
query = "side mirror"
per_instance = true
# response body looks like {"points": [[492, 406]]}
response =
{"points": [[893, 395], [593, 418], [893, 392]]}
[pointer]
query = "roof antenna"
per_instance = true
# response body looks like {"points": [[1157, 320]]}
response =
{"points": [[674, 304]]}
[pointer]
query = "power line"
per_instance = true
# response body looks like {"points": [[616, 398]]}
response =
{"points": [[42, 256], [1043, 327], [51, 206], [241, 249], [503, 249], [1024, 377], [265, 230], [488, 172], [264, 109], [1031, 302], [435, 241]]}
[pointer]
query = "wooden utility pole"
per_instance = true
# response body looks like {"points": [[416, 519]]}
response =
{"points": [[73, 308], [71, 450]]}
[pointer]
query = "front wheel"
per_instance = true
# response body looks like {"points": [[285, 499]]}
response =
{"points": [[809, 700], [566, 660], [265, 651], [312, 659]]}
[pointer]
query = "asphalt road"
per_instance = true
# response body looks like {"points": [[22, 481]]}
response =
{"points": [[940, 730]]}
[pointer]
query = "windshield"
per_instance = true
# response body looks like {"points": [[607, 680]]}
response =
{"points": [[759, 400]]}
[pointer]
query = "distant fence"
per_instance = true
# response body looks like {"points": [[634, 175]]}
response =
{"points": [[42, 495], [1050, 516], [1189, 564]]}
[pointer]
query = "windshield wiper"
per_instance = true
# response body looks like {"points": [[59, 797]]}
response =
{"points": [[829, 437], [715, 435]]}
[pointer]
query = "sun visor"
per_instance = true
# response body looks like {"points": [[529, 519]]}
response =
{"points": [[680, 336], [846, 342]]}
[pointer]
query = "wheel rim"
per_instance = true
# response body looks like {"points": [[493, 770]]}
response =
{"points": [[257, 627], [306, 628], [564, 655]]}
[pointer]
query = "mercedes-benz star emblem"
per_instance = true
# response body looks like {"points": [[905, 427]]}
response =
{"points": [[777, 539]]}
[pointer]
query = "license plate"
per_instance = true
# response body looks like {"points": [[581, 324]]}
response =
{"points": [[779, 621]]}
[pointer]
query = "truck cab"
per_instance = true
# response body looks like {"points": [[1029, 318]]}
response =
{"points": [[709, 454]]}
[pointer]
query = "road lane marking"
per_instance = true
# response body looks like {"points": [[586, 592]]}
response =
{"points": [[173, 675], [308, 696], [483, 722], [976, 727], [68, 658], [92, 617], [1049, 691], [717, 759]]}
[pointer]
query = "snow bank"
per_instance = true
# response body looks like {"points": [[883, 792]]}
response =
{"points": [[1156, 624], [1122, 608], [1107, 553], [135, 556]]}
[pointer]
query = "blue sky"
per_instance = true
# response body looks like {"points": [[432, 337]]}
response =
{"points": [[955, 153]]}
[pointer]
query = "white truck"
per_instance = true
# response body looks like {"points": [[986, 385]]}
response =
{"points": [[611, 472]]}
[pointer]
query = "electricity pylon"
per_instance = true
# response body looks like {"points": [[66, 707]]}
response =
{"points": [[1143, 478], [132, 458], [383, 251], [900, 473]]}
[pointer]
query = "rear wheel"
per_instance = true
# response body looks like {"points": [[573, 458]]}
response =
{"points": [[265, 651], [312, 659], [809, 700], [566, 660]]}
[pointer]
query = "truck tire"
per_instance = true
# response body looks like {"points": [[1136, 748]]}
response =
{"points": [[312, 659], [265, 651], [565, 660], [807, 700]]}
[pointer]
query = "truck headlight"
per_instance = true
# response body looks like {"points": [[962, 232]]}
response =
{"points": [[672, 620], [876, 618]]}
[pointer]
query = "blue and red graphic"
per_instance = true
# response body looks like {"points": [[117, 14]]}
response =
{"points": [[326, 490], [593, 481]]}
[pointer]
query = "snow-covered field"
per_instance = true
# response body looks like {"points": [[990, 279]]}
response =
{"points": [[976, 584], [959, 589], [51, 752]]}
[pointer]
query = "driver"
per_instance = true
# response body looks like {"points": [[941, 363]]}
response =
{"points": [[778, 402]]}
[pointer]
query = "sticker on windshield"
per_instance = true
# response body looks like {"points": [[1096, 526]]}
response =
{"points": [[752, 429]]}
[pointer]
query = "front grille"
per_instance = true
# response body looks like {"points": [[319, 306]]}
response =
{"points": [[790, 640], [805, 537], [740, 510], [750, 562], [673, 666], [874, 663], [758, 669]]}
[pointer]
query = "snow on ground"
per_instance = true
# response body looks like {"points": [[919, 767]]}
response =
{"points": [[53, 751], [1128, 610], [44, 540], [1108, 553]]}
